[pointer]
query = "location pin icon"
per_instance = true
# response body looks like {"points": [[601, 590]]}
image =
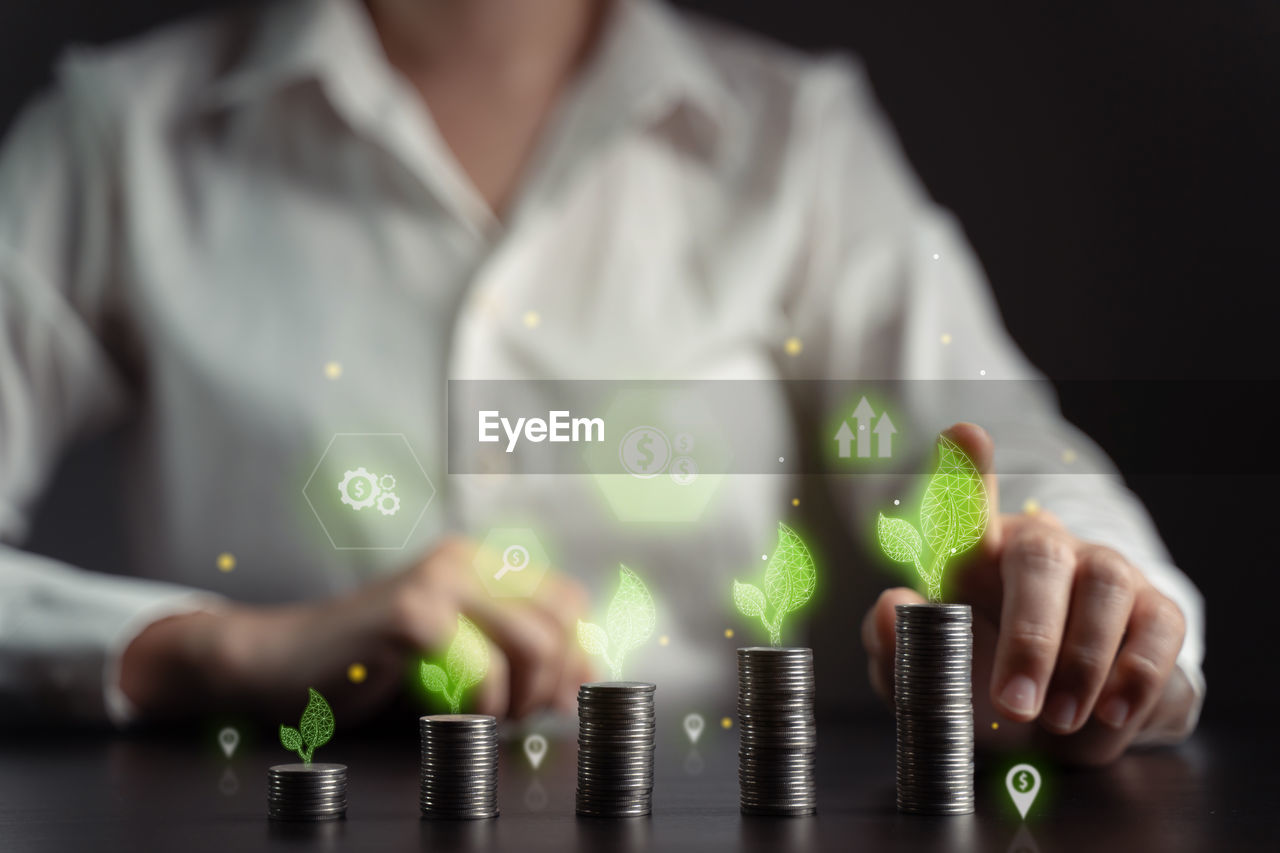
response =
{"points": [[1023, 782], [228, 739], [693, 725], [535, 746]]}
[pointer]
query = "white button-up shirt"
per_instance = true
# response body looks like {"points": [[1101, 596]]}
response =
{"points": [[195, 223]]}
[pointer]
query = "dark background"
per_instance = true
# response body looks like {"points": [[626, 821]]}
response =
{"points": [[1113, 166]]}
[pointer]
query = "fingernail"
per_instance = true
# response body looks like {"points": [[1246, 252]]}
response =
{"points": [[1060, 712], [1019, 696], [1114, 712]]}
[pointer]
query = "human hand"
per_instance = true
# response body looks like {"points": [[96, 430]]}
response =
{"points": [[263, 658], [1072, 635]]}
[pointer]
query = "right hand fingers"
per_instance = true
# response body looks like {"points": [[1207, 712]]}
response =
{"points": [[493, 694], [1036, 569], [534, 644], [535, 636]]}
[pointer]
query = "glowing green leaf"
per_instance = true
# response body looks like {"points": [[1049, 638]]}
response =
{"points": [[631, 615], [290, 738], [899, 540], [953, 515], [433, 677], [789, 578], [468, 658], [593, 639], [317, 722], [749, 600]]}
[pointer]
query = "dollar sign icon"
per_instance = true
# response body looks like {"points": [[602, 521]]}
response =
{"points": [[645, 446], [644, 452], [683, 470], [684, 442], [359, 487], [1023, 782]]}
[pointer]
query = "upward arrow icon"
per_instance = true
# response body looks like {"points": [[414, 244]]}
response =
{"points": [[884, 436], [863, 415], [845, 437]]}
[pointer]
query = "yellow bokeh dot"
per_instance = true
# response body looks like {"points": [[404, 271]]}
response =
{"points": [[333, 370], [664, 640], [226, 562], [532, 319], [728, 633], [995, 726], [794, 346], [1068, 456], [1031, 506], [726, 723], [795, 502], [946, 338], [356, 673]]}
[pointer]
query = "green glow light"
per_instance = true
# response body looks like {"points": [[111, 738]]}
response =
{"points": [[314, 730], [465, 665], [953, 516], [628, 623], [789, 580]]}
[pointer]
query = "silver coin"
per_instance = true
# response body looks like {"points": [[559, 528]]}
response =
{"points": [[458, 766], [616, 742], [933, 705], [777, 731]]}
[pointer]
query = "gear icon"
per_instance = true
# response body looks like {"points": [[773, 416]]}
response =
{"points": [[359, 489], [387, 482], [389, 503]]}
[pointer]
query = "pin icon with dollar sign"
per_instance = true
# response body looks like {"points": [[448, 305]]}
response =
{"points": [[228, 739], [1023, 782], [693, 725], [535, 747]]}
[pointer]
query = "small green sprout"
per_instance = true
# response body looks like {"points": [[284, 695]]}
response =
{"points": [[789, 580], [628, 623], [465, 665], [953, 517], [314, 730]]}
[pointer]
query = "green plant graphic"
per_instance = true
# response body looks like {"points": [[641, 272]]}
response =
{"points": [[315, 729], [465, 665], [628, 623], [953, 516], [789, 580]]}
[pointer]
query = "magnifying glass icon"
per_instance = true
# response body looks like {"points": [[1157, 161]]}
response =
{"points": [[514, 559]]}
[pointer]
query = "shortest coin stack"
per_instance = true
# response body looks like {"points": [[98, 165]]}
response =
{"points": [[307, 791], [777, 732], [616, 725], [459, 766]]}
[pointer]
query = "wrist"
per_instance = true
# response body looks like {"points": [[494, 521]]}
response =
{"points": [[160, 670]]}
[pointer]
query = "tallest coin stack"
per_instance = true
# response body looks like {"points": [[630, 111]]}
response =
{"points": [[933, 700]]}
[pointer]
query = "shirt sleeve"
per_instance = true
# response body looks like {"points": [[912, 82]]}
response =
{"points": [[61, 629], [892, 291]]}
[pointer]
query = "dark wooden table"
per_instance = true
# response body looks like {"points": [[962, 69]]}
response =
{"points": [[80, 793]]}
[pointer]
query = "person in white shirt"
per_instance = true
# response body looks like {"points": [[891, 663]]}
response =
{"points": [[195, 224]]}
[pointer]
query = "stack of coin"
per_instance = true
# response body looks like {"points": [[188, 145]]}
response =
{"points": [[459, 766], [933, 699], [777, 733], [616, 726], [307, 791]]}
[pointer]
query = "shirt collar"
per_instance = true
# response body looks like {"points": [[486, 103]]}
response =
{"points": [[645, 61]]}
